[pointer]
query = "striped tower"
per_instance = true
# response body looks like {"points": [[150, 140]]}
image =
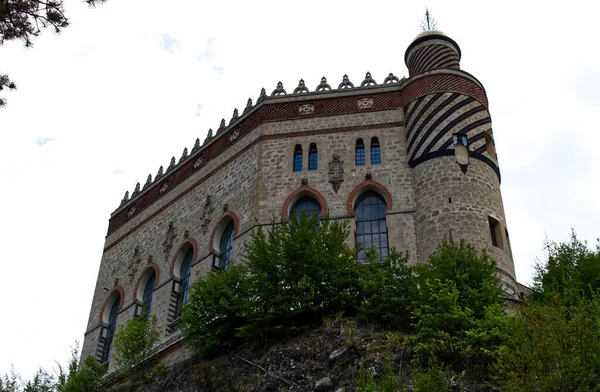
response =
{"points": [[451, 151]]}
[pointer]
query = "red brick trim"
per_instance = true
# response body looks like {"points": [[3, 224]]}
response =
{"points": [[188, 241], [300, 192], [156, 273], [236, 226], [443, 83], [369, 185], [121, 292]]}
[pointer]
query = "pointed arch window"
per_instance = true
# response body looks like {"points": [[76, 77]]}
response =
{"points": [[298, 158], [312, 157], [108, 333], [360, 152], [307, 205], [371, 227], [375, 151]]}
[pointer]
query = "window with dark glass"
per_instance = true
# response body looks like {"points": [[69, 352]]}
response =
{"points": [[375, 152], [225, 246], [184, 281], [306, 205], [312, 157], [460, 139], [148, 290], [371, 228], [360, 152], [495, 232], [298, 158], [109, 332]]}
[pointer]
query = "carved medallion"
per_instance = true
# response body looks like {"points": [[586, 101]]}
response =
{"points": [[234, 135], [336, 172], [131, 211], [198, 162], [365, 103], [163, 187], [307, 108]]}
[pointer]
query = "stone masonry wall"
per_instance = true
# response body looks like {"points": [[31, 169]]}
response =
{"points": [[449, 201], [185, 209], [338, 135]]}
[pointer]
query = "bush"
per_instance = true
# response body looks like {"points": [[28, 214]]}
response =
{"points": [[134, 349], [215, 311]]}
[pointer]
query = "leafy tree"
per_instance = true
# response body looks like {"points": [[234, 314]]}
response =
{"points": [[24, 19], [554, 339], [87, 379], [10, 383], [293, 275], [214, 312], [571, 271], [459, 320], [388, 289], [134, 348]]}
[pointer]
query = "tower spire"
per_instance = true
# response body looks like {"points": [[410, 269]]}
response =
{"points": [[428, 23]]}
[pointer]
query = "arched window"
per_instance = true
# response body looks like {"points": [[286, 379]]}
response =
{"points": [[147, 297], [182, 287], [360, 152], [306, 205], [371, 228], [225, 246], [298, 158], [312, 157], [108, 333], [375, 151]]}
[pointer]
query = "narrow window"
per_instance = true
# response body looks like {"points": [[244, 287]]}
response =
{"points": [[298, 158], [489, 145], [371, 227], [460, 139], [148, 290], [225, 246], [375, 151], [312, 157], [360, 152], [495, 232], [109, 332], [306, 205], [184, 281]]}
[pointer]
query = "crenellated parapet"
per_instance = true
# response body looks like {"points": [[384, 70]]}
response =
{"points": [[239, 125]]}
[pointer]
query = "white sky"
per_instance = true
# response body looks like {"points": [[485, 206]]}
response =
{"points": [[131, 83]]}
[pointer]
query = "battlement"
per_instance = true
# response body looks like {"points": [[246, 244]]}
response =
{"points": [[199, 154]]}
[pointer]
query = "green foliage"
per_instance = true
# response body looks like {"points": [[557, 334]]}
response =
{"points": [[87, 379], [293, 276], [378, 280], [472, 274], [554, 340], [459, 321], [134, 348], [433, 379], [572, 271], [298, 272], [215, 310]]}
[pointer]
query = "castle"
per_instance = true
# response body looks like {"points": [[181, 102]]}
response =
{"points": [[405, 161]]}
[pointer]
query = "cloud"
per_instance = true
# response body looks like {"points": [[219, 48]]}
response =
{"points": [[209, 52], [117, 171], [169, 43], [42, 141], [218, 69], [198, 108]]}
